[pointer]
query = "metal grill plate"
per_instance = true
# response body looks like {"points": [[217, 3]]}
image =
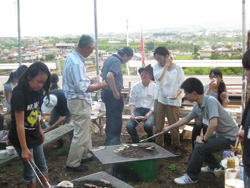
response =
{"points": [[103, 175], [107, 155]]}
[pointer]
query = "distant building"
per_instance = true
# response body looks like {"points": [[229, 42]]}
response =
{"points": [[206, 53], [65, 45], [113, 41]]}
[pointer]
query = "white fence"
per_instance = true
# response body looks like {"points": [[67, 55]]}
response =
{"points": [[14, 66], [192, 63]]}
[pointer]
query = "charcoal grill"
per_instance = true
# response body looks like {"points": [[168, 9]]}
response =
{"points": [[143, 168], [107, 155]]}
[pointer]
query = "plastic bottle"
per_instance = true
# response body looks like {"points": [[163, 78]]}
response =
{"points": [[241, 170]]}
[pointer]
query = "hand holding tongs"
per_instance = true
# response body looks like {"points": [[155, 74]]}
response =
{"points": [[237, 139], [143, 140], [33, 163]]}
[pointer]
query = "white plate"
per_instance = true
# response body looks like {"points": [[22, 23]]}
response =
{"points": [[235, 183], [139, 117], [224, 162]]}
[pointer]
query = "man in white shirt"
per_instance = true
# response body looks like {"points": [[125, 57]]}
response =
{"points": [[141, 103]]}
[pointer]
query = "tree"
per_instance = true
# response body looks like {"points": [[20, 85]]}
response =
{"points": [[150, 46], [196, 49], [229, 46], [49, 57]]}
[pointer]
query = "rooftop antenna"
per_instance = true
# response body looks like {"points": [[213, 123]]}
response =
{"points": [[127, 32]]}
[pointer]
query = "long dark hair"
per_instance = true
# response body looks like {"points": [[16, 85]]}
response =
{"points": [[161, 50], [20, 70], [54, 81], [34, 70], [11, 78], [222, 86]]}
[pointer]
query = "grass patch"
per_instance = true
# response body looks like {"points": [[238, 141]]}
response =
{"points": [[3, 170], [174, 168], [63, 151], [19, 170]]}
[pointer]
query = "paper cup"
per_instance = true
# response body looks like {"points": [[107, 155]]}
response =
{"points": [[231, 173], [3, 154], [11, 150]]}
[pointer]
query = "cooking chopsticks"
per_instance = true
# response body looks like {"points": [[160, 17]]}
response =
{"points": [[237, 139], [39, 172]]}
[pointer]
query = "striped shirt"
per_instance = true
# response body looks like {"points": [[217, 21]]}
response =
{"points": [[75, 80]]}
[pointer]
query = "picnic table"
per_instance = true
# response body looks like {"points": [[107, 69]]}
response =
{"points": [[56, 134]]}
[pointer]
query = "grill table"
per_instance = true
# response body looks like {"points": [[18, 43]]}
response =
{"points": [[144, 168], [103, 175], [107, 155]]}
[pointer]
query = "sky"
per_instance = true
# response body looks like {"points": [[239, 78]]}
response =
{"points": [[76, 17]]}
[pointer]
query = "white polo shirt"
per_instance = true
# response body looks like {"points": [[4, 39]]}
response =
{"points": [[142, 97]]}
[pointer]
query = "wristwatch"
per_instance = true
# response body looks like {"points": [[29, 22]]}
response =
{"points": [[202, 139]]}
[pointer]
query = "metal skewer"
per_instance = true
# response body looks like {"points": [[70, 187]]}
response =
{"points": [[136, 121], [143, 140]]}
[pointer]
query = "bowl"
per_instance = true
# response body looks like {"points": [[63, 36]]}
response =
{"points": [[3, 154], [11, 150]]}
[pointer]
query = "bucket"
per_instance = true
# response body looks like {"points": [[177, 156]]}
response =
{"points": [[136, 171]]}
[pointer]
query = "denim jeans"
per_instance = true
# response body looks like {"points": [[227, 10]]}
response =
{"points": [[203, 153], [1, 121], [54, 116], [198, 125], [246, 180], [29, 176], [148, 124], [114, 108]]}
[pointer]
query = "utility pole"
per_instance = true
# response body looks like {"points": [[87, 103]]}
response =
{"points": [[19, 32], [96, 48], [245, 84], [127, 67]]}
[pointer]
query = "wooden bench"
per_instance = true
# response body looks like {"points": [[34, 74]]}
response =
{"points": [[54, 135], [182, 129]]}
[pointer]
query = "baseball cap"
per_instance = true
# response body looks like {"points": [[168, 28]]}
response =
{"points": [[48, 105]]}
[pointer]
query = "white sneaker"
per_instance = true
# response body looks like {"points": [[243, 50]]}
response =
{"points": [[185, 179], [207, 169], [218, 171]]}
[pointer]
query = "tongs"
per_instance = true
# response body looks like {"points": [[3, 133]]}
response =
{"points": [[236, 143], [143, 140], [31, 165]]}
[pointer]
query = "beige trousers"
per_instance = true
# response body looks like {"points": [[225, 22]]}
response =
{"points": [[81, 142], [173, 114]]}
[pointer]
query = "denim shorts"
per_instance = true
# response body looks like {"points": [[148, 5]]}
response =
{"points": [[29, 176]]}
